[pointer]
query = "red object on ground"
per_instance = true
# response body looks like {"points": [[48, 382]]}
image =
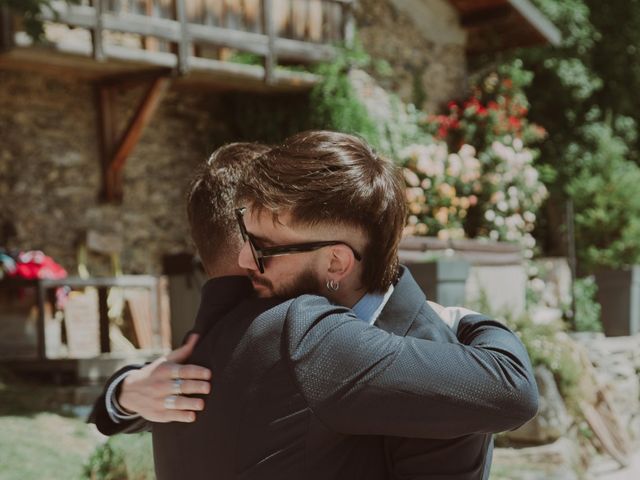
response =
{"points": [[35, 264]]}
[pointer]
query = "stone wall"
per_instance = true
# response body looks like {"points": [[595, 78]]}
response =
{"points": [[50, 172], [424, 44]]}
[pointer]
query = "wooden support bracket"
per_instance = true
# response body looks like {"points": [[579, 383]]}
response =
{"points": [[6, 29], [115, 150]]}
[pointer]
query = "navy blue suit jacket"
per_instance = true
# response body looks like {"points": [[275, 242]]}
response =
{"points": [[303, 388]]}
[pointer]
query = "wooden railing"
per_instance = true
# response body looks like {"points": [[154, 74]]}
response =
{"points": [[298, 31]]}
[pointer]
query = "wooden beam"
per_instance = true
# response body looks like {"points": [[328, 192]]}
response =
{"points": [[480, 18], [149, 43], [103, 309], [135, 78], [6, 29], [104, 95], [131, 136], [269, 27], [184, 42], [74, 60], [348, 24], [96, 32], [545, 28]]}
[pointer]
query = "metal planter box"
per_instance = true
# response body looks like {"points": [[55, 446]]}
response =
{"points": [[619, 296]]}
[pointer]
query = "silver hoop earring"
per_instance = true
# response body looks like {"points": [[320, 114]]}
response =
{"points": [[333, 286]]}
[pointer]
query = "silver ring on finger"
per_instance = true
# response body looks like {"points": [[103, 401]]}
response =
{"points": [[170, 402], [176, 386], [175, 371]]}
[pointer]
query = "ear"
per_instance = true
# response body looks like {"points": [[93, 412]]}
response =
{"points": [[341, 262]]}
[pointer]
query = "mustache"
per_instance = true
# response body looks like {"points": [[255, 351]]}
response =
{"points": [[259, 281]]}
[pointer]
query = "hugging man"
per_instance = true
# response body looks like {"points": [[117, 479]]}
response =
{"points": [[304, 387]]}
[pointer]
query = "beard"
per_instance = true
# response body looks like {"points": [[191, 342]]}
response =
{"points": [[305, 283]]}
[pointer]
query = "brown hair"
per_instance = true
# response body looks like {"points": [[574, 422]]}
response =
{"points": [[211, 201], [323, 177]]}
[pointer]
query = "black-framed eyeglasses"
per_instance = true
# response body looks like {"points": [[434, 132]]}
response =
{"points": [[259, 254]]}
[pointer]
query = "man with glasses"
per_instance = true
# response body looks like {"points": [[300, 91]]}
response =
{"points": [[300, 388]]}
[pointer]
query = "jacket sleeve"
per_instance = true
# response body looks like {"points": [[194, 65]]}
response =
{"points": [[100, 417], [359, 379]]}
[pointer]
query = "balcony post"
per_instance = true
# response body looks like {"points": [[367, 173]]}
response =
{"points": [[6, 29], [96, 33], [348, 23], [185, 40], [270, 60]]}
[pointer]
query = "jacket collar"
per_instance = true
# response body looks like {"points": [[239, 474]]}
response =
{"points": [[403, 306], [219, 296]]}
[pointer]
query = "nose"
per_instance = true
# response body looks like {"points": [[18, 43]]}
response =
{"points": [[245, 258]]}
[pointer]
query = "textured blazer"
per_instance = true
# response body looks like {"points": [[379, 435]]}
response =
{"points": [[304, 388]]}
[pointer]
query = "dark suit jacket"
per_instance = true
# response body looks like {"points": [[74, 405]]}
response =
{"points": [[469, 456], [302, 387]]}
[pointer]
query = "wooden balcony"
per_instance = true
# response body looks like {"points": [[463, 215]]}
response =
{"points": [[204, 41]]}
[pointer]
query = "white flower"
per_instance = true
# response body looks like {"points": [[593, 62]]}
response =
{"points": [[411, 178], [537, 285], [517, 144], [455, 165], [529, 216], [490, 215], [494, 235], [503, 206], [467, 151], [528, 240]]}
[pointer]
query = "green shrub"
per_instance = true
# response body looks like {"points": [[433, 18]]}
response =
{"points": [[607, 220], [122, 457], [334, 103], [587, 315]]}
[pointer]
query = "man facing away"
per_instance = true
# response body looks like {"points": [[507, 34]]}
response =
{"points": [[333, 212]]}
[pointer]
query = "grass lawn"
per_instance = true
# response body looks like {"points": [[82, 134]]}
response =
{"points": [[37, 439]]}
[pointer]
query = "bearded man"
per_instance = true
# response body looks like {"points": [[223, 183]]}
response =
{"points": [[303, 386]]}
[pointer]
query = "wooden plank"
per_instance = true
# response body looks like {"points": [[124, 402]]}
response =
{"points": [[206, 73], [150, 43], [103, 309], [348, 25], [132, 78], [270, 59], [106, 132], [185, 41], [97, 31], [132, 134], [6, 29], [40, 327], [139, 304], [482, 17], [542, 25]]}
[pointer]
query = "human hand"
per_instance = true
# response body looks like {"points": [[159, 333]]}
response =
{"points": [[156, 391]]}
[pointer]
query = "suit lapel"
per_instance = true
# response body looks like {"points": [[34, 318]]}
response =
{"points": [[403, 305]]}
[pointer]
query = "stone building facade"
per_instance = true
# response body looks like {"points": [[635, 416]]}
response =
{"points": [[423, 42], [50, 174]]}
